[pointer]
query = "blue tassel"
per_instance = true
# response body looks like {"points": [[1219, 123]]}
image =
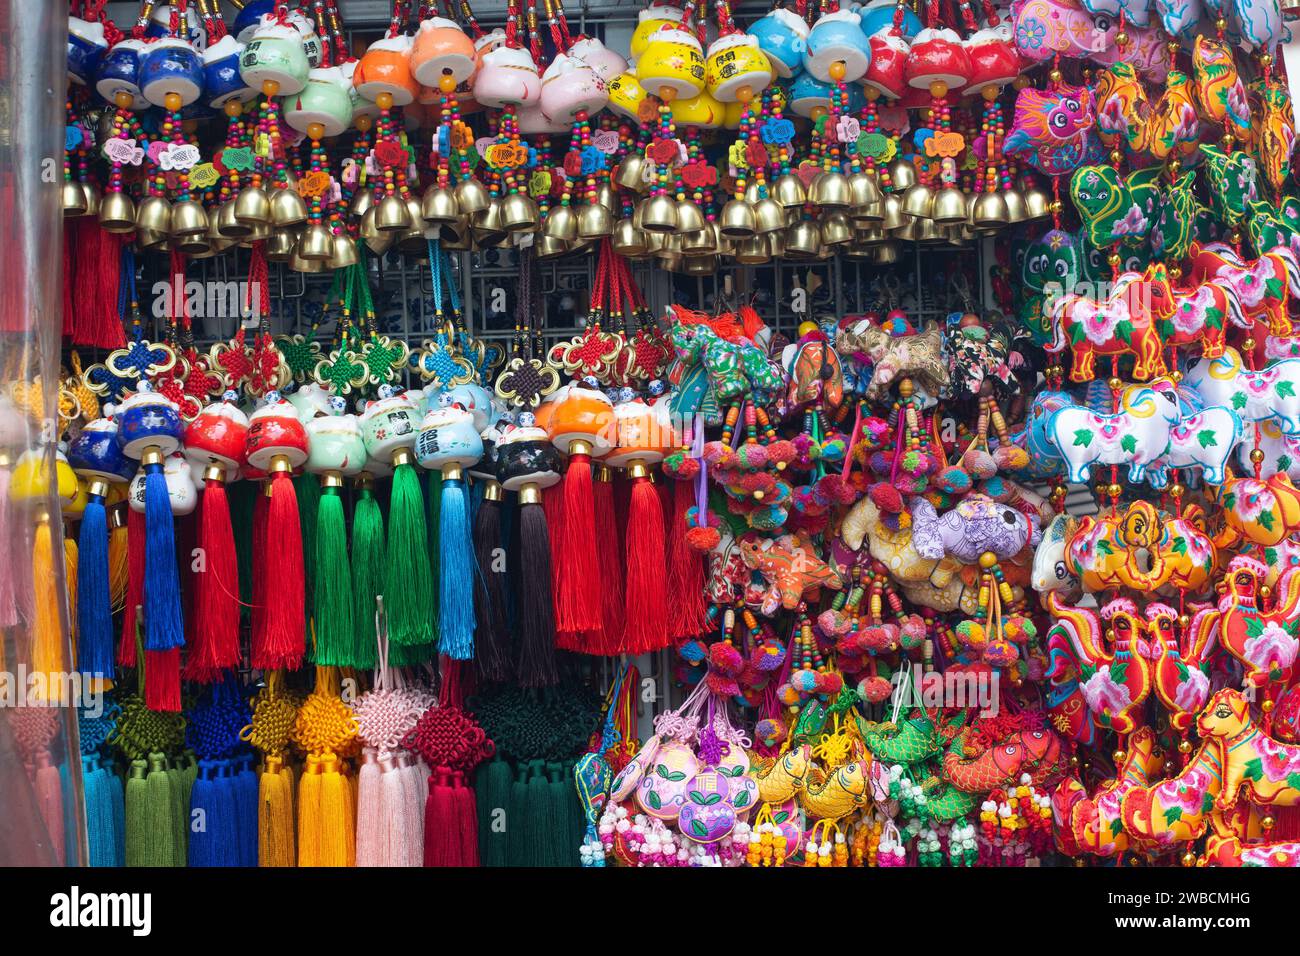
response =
{"points": [[227, 827], [456, 571], [164, 628], [94, 602], [101, 849], [202, 848], [117, 793], [246, 805]]}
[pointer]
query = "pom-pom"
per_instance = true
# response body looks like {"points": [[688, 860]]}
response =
{"points": [[804, 681], [787, 695], [725, 659], [953, 480], [719, 455], [971, 634], [835, 490], [828, 683], [911, 633], [703, 539], [834, 623], [768, 655], [768, 519], [833, 449], [1011, 457], [752, 456], [770, 732], [886, 497], [875, 690], [722, 685], [781, 452], [979, 463], [1001, 653], [693, 651]]}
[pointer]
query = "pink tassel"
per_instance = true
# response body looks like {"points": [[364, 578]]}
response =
{"points": [[8, 607], [368, 811]]}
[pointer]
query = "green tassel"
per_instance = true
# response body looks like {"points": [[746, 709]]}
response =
{"points": [[517, 850], [307, 488], [566, 830], [242, 495], [495, 782], [137, 828], [367, 576], [537, 817], [335, 633], [157, 836], [408, 592]]}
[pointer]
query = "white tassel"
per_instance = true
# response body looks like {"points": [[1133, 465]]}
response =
{"points": [[417, 794], [392, 812], [368, 810]]}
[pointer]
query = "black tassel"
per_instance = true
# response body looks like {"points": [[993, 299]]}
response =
{"points": [[492, 639], [536, 607]]}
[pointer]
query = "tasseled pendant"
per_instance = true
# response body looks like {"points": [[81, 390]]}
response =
{"points": [[214, 647], [455, 569], [94, 599], [536, 667], [492, 639], [646, 617], [408, 591], [368, 577]]}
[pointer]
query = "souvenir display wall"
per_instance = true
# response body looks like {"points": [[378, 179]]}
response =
{"points": [[1001, 568]]}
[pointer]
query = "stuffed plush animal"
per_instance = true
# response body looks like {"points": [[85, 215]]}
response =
{"points": [[1137, 435]]}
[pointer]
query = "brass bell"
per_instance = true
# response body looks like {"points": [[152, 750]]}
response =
{"points": [[519, 213], [343, 253], [93, 198], [803, 240], [659, 214], [252, 206], [910, 230], [228, 225], [726, 245], [1016, 206], [281, 246], [455, 235], [547, 246], [864, 189], [368, 229], [789, 191], [858, 250], [989, 209], [769, 216], [831, 190], [439, 205], [776, 243], [155, 215], [74, 199], [753, 251], [918, 200], [188, 219], [689, 217], [737, 220], [1038, 205], [196, 244], [701, 242], [488, 219], [378, 241], [363, 199], [471, 196], [836, 229], [927, 230], [634, 173], [902, 173], [871, 213], [949, 206], [150, 240], [606, 197], [287, 208], [261, 232], [595, 221], [628, 240], [316, 243], [298, 264], [391, 215], [700, 265], [117, 213], [886, 253], [654, 242], [561, 225], [670, 245], [871, 235], [413, 242], [893, 212], [673, 262]]}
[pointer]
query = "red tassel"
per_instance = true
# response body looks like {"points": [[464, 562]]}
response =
{"points": [[283, 636], [611, 572], [257, 621], [70, 229], [553, 509], [215, 645], [162, 680], [442, 845], [467, 821], [578, 610], [688, 614], [92, 267], [646, 627], [134, 585]]}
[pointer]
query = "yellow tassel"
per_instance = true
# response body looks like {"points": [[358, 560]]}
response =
{"points": [[337, 834], [309, 814], [117, 567], [48, 655], [275, 815]]}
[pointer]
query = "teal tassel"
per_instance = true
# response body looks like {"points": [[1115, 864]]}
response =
{"points": [[456, 573], [495, 781]]}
